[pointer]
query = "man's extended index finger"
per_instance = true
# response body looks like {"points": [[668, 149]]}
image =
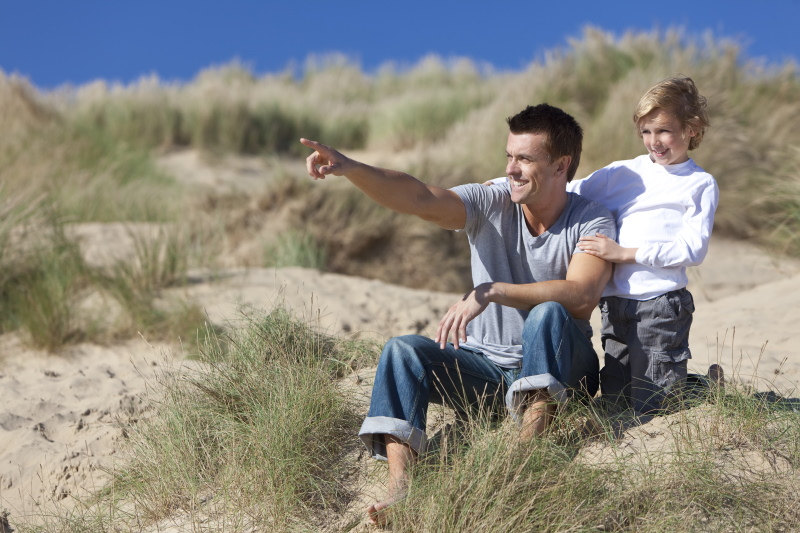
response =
{"points": [[311, 144]]}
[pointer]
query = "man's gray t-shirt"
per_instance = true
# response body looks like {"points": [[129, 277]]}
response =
{"points": [[504, 250]]}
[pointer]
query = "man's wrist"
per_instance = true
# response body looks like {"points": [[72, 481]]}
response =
{"points": [[486, 292]]}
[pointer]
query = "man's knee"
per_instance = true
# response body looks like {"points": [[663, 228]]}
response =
{"points": [[405, 350], [547, 312]]}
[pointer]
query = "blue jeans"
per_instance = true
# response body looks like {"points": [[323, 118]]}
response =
{"points": [[414, 371]]}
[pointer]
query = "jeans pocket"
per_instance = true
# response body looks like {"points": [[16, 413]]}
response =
{"points": [[669, 305], [677, 304], [687, 300]]}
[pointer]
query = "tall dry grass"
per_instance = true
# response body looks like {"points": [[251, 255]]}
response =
{"points": [[53, 173], [441, 120], [91, 150], [260, 432]]}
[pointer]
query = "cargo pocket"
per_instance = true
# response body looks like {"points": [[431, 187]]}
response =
{"points": [[669, 367], [669, 325]]}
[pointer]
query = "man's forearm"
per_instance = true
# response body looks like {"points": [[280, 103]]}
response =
{"points": [[395, 190], [576, 297]]}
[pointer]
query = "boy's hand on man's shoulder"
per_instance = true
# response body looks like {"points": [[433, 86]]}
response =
{"points": [[603, 247]]}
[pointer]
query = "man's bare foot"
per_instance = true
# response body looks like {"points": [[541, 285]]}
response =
{"points": [[400, 457], [539, 411], [379, 513]]}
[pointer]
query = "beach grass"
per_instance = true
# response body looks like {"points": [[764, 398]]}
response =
{"points": [[259, 434], [729, 465], [259, 430], [295, 248]]}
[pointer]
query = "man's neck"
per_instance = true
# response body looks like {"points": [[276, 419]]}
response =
{"points": [[540, 216]]}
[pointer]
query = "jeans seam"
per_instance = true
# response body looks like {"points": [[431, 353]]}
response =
{"points": [[417, 391], [561, 340], [466, 372]]}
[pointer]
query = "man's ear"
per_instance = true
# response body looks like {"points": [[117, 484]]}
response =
{"points": [[563, 164]]}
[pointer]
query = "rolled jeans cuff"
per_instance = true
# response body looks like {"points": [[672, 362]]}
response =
{"points": [[515, 397], [374, 427]]}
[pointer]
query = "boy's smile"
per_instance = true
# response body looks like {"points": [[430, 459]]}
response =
{"points": [[665, 139]]}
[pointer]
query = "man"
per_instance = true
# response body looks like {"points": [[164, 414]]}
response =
{"points": [[522, 332]]}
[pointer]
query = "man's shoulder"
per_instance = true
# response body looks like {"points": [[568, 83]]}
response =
{"points": [[483, 201], [588, 217], [475, 190]]}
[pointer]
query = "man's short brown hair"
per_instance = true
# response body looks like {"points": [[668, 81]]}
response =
{"points": [[563, 134]]}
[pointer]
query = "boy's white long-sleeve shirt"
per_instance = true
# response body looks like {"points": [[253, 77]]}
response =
{"points": [[667, 212]]}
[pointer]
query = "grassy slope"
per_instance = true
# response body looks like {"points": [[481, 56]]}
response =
{"points": [[261, 437]]}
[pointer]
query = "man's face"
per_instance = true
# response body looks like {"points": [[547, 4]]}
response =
{"points": [[532, 177], [665, 139]]}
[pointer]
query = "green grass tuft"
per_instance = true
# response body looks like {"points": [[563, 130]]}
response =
{"points": [[295, 248], [261, 422]]}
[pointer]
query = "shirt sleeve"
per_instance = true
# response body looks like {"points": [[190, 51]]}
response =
{"points": [[690, 246], [480, 202], [604, 225], [597, 219]]}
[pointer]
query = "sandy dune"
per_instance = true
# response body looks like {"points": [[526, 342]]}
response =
{"points": [[63, 416]]}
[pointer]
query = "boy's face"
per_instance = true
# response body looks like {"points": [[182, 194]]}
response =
{"points": [[665, 139]]}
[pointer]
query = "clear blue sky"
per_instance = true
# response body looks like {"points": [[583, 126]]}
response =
{"points": [[75, 41]]}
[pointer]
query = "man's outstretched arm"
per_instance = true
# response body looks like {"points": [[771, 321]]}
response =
{"points": [[579, 293], [398, 191]]}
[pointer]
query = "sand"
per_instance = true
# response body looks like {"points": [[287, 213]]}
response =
{"points": [[63, 416]]}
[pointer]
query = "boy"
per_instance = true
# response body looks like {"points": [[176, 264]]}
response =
{"points": [[664, 206]]}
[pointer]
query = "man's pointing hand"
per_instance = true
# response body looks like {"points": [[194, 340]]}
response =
{"points": [[325, 160]]}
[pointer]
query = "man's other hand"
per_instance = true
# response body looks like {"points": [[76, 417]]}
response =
{"points": [[459, 315]]}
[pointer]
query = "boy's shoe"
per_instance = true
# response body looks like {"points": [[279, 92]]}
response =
{"points": [[716, 376]]}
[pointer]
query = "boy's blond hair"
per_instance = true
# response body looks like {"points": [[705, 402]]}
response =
{"points": [[680, 97]]}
